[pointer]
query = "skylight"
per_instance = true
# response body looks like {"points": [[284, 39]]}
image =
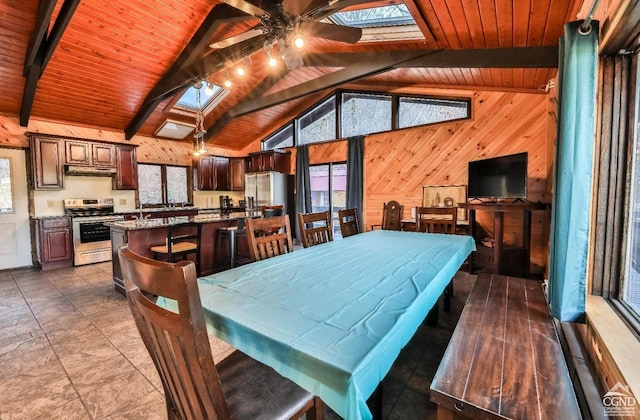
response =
{"points": [[393, 15], [208, 92]]}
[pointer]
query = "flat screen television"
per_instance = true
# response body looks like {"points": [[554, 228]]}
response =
{"points": [[498, 178]]}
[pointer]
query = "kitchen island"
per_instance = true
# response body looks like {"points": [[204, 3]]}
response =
{"points": [[141, 235]]}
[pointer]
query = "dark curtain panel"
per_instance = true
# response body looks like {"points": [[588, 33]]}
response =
{"points": [[355, 172], [577, 80], [617, 99], [303, 187]]}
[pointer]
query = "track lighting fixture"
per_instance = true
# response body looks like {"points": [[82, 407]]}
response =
{"points": [[209, 90]]}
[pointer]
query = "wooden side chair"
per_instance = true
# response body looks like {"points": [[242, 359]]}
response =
{"points": [[349, 223], [391, 216], [195, 387], [269, 237], [436, 219], [182, 240], [315, 228]]}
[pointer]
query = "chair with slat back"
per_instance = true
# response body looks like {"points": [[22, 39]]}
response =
{"points": [[436, 219], [195, 387], [349, 222], [269, 237], [315, 228], [391, 216], [182, 239]]}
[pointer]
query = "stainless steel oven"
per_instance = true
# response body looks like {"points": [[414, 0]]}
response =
{"points": [[91, 237]]}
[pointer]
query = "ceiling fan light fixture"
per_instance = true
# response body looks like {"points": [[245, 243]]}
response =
{"points": [[298, 41], [240, 71]]}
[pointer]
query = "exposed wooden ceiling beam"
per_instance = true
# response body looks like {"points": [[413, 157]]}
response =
{"points": [[167, 86], [42, 49], [258, 91], [378, 64], [525, 57]]}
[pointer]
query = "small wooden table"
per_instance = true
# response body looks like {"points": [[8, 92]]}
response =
{"points": [[504, 359]]}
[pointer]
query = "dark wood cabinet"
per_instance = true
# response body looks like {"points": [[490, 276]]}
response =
{"points": [[55, 243], [77, 152], [127, 168], [47, 163], [211, 173], [103, 155], [273, 160], [512, 260], [236, 174]]}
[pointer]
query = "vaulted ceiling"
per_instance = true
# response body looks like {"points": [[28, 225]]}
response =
{"points": [[118, 64]]}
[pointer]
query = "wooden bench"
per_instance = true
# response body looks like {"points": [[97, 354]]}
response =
{"points": [[504, 359]]}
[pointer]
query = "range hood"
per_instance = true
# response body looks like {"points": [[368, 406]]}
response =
{"points": [[89, 170]]}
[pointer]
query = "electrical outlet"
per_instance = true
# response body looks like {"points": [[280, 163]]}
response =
{"points": [[51, 204], [123, 202]]}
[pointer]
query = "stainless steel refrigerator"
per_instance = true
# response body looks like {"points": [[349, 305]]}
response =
{"points": [[269, 188]]}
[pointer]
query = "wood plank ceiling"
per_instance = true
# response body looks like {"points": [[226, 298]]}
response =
{"points": [[113, 57]]}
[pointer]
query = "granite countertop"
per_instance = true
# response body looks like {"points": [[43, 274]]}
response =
{"points": [[168, 221]]}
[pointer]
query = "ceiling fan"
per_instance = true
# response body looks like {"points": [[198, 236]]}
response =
{"points": [[280, 20]]}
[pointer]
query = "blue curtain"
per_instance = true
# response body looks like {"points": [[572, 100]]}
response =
{"points": [[577, 83], [355, 172], [303, 187]]}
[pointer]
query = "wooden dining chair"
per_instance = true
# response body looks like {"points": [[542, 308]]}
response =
{"points": [[349, 223], [195, 387], [269, 237], [183, 239], [391, 216], [315, 228], [436, 219]]}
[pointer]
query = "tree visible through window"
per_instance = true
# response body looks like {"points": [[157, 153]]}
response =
{"points": [[6, 193], [162, 184]]}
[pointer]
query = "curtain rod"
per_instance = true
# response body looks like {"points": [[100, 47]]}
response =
{"points": [[586, 25]]}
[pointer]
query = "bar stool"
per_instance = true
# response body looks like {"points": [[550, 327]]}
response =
{"points": [[182, 239], [230, 234]]}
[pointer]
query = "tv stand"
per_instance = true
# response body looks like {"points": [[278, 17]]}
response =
{"points": [[502, 259]]}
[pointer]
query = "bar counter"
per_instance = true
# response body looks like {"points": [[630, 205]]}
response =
{"points": [[142, 234]]}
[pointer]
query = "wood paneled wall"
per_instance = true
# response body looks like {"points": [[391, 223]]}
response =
{"points": [[399, 163], [150, 150]]}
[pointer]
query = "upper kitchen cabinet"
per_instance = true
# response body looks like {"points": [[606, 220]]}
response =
{"points": [[236, 174], [104, 154], [211, 173], [47, 162], [127, 168], [273, 160]]}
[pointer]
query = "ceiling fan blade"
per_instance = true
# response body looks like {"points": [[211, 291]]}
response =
{"points": [[341, 4], [246, 7], [299, 8], [290, 55], [330, 31], [252, 33]]}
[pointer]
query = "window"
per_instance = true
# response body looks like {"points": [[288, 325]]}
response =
{"points": [[281, 139], [6, 192], [630, 293], [163, 184], [363, 113], [329, 191], [420, 111], [319, 124], [385, 23]]}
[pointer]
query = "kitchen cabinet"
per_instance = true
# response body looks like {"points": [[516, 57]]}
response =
{"points": [[273, 160], [87, 153], [77, 152], [47, 162], [236, 174], [127, 168], [55, 243], [211, 173], [103, 155]]}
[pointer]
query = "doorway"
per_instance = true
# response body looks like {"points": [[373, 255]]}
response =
{"points": [[15, 232], [329, 191]]}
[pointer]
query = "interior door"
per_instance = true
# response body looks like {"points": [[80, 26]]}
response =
{"points": [[15, 236]]}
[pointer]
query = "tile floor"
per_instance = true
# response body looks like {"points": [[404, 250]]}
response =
{"points": [[69, 349]]}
